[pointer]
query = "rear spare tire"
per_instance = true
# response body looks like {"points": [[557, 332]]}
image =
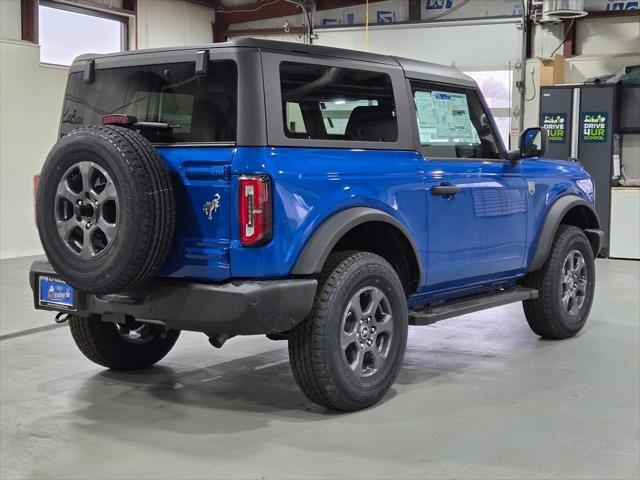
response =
{"points": [[105, 209]]}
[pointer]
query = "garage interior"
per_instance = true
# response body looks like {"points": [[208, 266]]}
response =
{"points": [[479, 396]]}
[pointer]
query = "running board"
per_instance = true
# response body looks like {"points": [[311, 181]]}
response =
{"points": [[455, 308]]}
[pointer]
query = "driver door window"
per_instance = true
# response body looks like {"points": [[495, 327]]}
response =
{"points": [[452, 124]]}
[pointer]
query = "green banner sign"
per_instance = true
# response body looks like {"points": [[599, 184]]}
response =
{"points": [[594, 126], [556, 126]]}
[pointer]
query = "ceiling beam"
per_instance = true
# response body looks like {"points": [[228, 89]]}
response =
{"points": [[251, 12], [265, 9], [29, 19], [612, 13], [207, 3], [261, 32]]}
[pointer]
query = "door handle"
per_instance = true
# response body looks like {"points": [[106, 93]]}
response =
{"points": [[445, 190]]}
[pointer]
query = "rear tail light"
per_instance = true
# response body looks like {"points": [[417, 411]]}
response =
{"points": [[118, 119], [255, 210]]}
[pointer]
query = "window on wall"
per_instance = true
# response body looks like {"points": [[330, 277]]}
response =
{"points": [[496, 89], [67, 31]]}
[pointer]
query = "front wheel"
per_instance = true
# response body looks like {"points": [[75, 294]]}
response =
{"points": [[566, 284], [122, 346], [347, 353]]}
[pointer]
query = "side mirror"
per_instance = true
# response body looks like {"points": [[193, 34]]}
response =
{"points": [[533, 142]]}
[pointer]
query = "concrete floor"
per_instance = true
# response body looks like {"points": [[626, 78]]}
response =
{"points": [[478, 397]]}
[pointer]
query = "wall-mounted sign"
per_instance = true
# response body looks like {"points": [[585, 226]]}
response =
{"points": [[556, 126], [594, 126], [617, 5], [439, 4], [385, 16]]}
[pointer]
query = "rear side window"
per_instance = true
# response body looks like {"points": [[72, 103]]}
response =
{"points": [[453, 124], [195, 108], [333, 103]]}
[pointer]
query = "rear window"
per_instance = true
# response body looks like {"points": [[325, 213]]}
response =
{"points": [[333, 103], [197, 109]]}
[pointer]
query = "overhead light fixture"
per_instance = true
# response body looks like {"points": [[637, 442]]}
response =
{"points": [[563, 9]]}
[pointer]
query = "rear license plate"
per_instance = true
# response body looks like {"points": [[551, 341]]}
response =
{"points": [[55, 293]]}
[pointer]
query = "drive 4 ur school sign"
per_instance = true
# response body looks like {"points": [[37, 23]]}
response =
{"points": [[556, 126], [594, 126]]}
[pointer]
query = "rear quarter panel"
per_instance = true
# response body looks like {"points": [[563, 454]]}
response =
{"points": [[312, 184]]}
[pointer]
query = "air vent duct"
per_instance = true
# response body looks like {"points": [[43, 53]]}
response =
{"points": [[563, 9]]}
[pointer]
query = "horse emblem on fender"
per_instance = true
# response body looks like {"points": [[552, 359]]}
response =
{"points": [[532, 187], [211, 207]]}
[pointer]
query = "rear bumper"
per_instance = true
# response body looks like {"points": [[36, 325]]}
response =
{"points": [[234, 308]]}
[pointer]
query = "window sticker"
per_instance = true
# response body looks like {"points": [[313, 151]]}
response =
{"points": [[444, 118]]}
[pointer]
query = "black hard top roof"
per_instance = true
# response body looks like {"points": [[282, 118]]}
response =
{"points": [[412, 68]]}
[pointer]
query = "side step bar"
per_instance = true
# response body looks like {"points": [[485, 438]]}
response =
{"points": [[435, 313]]}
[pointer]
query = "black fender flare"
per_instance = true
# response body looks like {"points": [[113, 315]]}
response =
{"points": [[551, 223], [317, 249]]}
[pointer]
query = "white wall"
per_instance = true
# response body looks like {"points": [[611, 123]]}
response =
{"points": [[446, 43], [10, 25], [30, 101], [31, 98], [605, 36], [170, 23]]}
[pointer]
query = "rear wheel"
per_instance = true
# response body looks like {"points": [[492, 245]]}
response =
{"points": [[127, 346], [348, 352], [566, 284]]}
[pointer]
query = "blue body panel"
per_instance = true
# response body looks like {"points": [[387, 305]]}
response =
{"points": [[201, 246], [485, 235]]}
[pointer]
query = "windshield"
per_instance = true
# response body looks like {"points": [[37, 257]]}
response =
{"points": [[195, 108]]}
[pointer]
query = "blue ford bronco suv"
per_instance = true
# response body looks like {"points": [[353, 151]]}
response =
{"points": [[326, 197]]}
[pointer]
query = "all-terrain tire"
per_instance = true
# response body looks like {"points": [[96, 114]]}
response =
{"points": [[320, 363], [142, 209], [547, 315], [102, 343]]}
